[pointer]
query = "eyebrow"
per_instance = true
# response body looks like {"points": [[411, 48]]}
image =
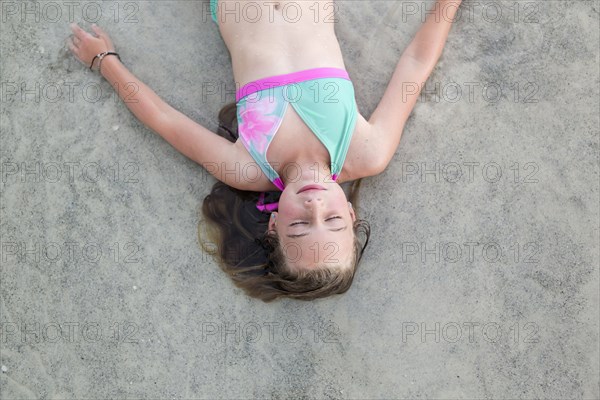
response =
{"points": [[306, 233]]}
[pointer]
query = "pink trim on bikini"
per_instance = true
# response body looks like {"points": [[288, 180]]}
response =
{"points": [[286, 79], [279, 183]]}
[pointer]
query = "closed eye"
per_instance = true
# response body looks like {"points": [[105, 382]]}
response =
{"points": [[297, 223], [306, 223]]}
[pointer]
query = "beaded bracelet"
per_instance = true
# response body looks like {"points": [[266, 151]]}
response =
{"points": [[100, 56]]}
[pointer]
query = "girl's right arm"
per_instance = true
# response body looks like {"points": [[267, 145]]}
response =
{"points": [[223, 159]]}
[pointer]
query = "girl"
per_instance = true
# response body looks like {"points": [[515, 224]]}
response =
{"points": [[311, 246]]}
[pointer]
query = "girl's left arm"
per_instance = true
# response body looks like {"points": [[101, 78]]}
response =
{"points": [[387, 122]]}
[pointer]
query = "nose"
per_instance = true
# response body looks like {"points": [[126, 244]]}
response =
{"points": [[313, 201]]}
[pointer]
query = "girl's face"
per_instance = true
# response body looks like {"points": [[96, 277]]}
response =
{"points": [[314, 224]]}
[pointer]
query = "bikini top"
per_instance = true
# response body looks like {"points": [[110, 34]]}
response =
{"points": [[322, 97]]}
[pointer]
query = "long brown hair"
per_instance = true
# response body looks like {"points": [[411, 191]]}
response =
{"points": [[234, 232]]}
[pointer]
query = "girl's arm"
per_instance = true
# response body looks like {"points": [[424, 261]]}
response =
{"points": [[414, 67], [222, 158], [216, 154]]}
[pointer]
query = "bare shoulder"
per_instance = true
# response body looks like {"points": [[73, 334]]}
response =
{"points": [[247, 174], [362, 160]]}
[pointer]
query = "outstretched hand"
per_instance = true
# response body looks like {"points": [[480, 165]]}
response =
{"points": [[86, 46]]}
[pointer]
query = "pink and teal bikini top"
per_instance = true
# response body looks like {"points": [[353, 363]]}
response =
{"points": [[322, 97]]}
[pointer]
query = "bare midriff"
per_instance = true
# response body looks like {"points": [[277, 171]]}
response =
{"points": [[267, 38]]}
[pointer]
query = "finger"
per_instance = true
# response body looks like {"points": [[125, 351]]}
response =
{"points": [[102, 35], [79, 32], [73, 49], [99, 31]]}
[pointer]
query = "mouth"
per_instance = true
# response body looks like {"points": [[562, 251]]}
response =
{"points": [[310, 187]]}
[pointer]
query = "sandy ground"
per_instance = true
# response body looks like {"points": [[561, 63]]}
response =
{"points": [[481, 278]]}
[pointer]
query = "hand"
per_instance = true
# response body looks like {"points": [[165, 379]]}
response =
{"points": [[85, 46]]}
